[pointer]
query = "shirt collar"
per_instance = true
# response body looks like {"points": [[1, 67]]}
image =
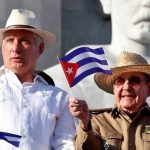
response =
{"points": [[39, 79], [116, 111]]}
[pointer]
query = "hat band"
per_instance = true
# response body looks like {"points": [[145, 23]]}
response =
{"points": [[19, 26]]}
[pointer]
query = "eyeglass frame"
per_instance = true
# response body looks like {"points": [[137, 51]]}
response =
{"points": [[146, 79]]}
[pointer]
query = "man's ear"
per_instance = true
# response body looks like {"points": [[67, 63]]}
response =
{"points": [[106, 4], [41, 48]]}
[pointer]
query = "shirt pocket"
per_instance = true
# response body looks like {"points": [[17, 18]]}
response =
{"points": [[112, 141], [146, 141]]}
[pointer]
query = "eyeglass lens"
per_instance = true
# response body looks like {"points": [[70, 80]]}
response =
{"points": [[134, 80]]}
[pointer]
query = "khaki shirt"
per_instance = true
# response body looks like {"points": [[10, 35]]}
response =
{"points": [[112, 129]]}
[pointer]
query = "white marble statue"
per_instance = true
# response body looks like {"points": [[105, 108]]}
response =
{"points": [[130, 32]]}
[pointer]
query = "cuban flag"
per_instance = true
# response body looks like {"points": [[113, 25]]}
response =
{"points": [[83, 61], [10, 138]]}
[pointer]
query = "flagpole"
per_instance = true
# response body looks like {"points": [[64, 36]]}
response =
{"points": [[75, 92]]}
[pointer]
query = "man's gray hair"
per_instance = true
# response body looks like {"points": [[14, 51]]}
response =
{"points": [[38, 39]]}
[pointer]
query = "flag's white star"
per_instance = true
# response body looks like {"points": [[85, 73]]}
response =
{"points": [[69, 70]]}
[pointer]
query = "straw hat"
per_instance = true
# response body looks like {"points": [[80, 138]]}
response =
{"points": [[126, 62], [27, 20]]}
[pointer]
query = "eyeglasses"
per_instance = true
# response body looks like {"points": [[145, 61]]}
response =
{"points": [[133, 80]]}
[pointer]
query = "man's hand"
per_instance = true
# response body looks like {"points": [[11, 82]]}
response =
{"points": [[79, 109]]}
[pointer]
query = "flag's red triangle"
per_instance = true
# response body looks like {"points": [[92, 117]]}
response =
{"points": [[70, 70]]}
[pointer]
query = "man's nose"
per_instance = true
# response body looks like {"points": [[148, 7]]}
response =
{"points": [[126, 85], [16, 46], [145, 3]]}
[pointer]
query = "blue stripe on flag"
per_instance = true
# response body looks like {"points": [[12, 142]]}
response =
{"points": [[90, 60], [87, 73], [78, 51]]}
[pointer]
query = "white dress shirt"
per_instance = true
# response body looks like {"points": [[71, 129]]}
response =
{"points": [[36, 111]]}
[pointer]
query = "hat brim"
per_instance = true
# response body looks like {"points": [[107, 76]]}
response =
{"points": [[105, 82], [48, 37]]}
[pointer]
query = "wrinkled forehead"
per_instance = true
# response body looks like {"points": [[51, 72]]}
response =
{"points": [[22, 34]]}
